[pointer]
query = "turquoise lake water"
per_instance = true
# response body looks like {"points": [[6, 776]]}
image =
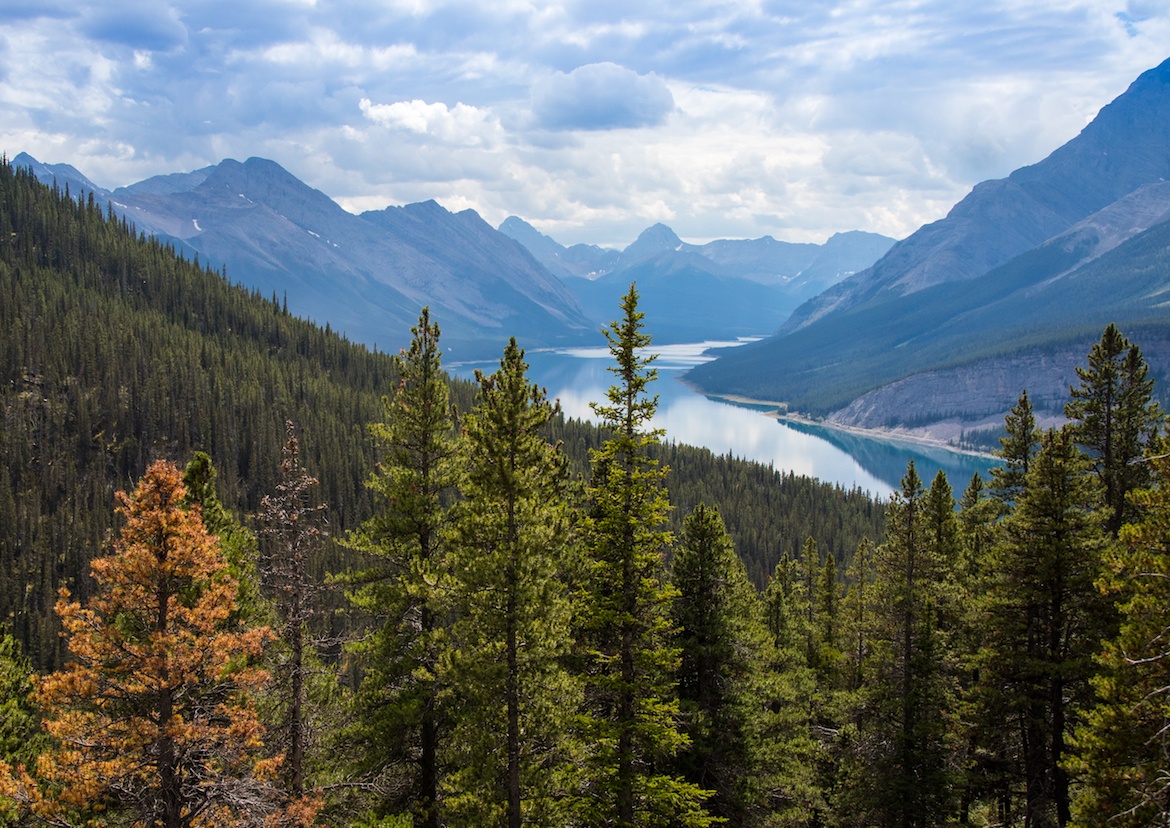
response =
{"points": [[579, 376]]}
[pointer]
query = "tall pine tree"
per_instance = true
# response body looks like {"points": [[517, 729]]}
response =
{"points": [[1044, 620], [505, 659], [402, 723], [631, 707], [723, 686], [154, 717], [903, 764], [1123, 745], [1114, 419]]}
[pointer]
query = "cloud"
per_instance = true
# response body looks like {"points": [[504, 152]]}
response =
{"points": [[461, 124], [600, 96], [590, 119]]}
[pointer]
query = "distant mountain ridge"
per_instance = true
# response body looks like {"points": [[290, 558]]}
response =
{"points": [[367, 276], [722, 289], [1021, 276]]}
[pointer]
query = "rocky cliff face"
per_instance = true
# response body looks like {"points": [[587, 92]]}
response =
{"points": [[952, 401]]}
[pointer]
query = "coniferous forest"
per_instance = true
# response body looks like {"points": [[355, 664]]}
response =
{"points": [[254, 574]]}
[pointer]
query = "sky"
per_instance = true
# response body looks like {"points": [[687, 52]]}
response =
{"points": [[591, 120]]}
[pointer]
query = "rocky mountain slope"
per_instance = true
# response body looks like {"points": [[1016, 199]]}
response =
{"points": [[367, 276], [1005, 293]]}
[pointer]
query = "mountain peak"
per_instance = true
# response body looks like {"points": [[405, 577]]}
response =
{"points": [[653, 240]]}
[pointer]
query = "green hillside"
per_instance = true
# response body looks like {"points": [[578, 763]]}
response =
{"points": [[115, 352]]}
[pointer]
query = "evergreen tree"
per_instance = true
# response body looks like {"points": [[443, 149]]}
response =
{"points": [[236, 541], [906, 733], [1114, 419], [985, 750], [857, 606], [785, 608], [630, 725], [1123, 744], [791, 749], [154, 717], [1045, 619], [402, 724], [505, 660], [723, 686], [1017, 450], [828, 628], [810, 567], [20, 738]]}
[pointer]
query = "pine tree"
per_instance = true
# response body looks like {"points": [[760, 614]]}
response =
{"points": [[1044, 619], [1017, 450], [857, 606], [20, 738], [631, 710], [790, 750], [1121, 748], [505, 659], [907, 704], [402, 724], [153, 718], [237, 542], [723, 683], [1114, 419]]}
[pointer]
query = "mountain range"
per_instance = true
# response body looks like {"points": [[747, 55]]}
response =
{"points": [[366, 275], [1007, 292], [369, 275], [723, 289]]}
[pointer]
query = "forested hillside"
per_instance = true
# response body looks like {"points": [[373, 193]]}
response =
{"points": [[115, 352], [523, 639]]}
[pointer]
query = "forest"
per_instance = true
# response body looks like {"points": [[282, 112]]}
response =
{"points": [[253, 574]]}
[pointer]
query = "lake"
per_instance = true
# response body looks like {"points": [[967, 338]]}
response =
{"points": [[579, 376]]}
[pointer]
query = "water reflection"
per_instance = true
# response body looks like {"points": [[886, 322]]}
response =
{"points": [[579, 376]]}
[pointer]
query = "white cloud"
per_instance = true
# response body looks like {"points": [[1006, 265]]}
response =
{"points": [[461, 124], [593, 120]]}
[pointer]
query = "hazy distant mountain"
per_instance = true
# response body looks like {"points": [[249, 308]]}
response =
{"points": [[585, 260], [369, 275], [722, 289], [1007, 292]]}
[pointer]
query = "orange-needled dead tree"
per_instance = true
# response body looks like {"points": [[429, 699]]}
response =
{"points": [[153, 716]]}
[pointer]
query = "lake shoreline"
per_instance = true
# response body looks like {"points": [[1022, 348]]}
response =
{"points": [[910, 437]]}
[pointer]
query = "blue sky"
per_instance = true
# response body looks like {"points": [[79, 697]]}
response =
{"points": [[591, 120]]}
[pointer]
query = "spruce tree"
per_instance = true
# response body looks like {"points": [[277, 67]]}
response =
{"points": [[1114, 419], [1044, 620], [907, 703], [630, 724], [402, 723], [1121, 748], [1017, 450], [504, 662], [20, 737], [723, 686]]}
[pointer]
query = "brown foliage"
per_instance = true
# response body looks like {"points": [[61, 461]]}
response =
{"points": [[153, 716]]}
